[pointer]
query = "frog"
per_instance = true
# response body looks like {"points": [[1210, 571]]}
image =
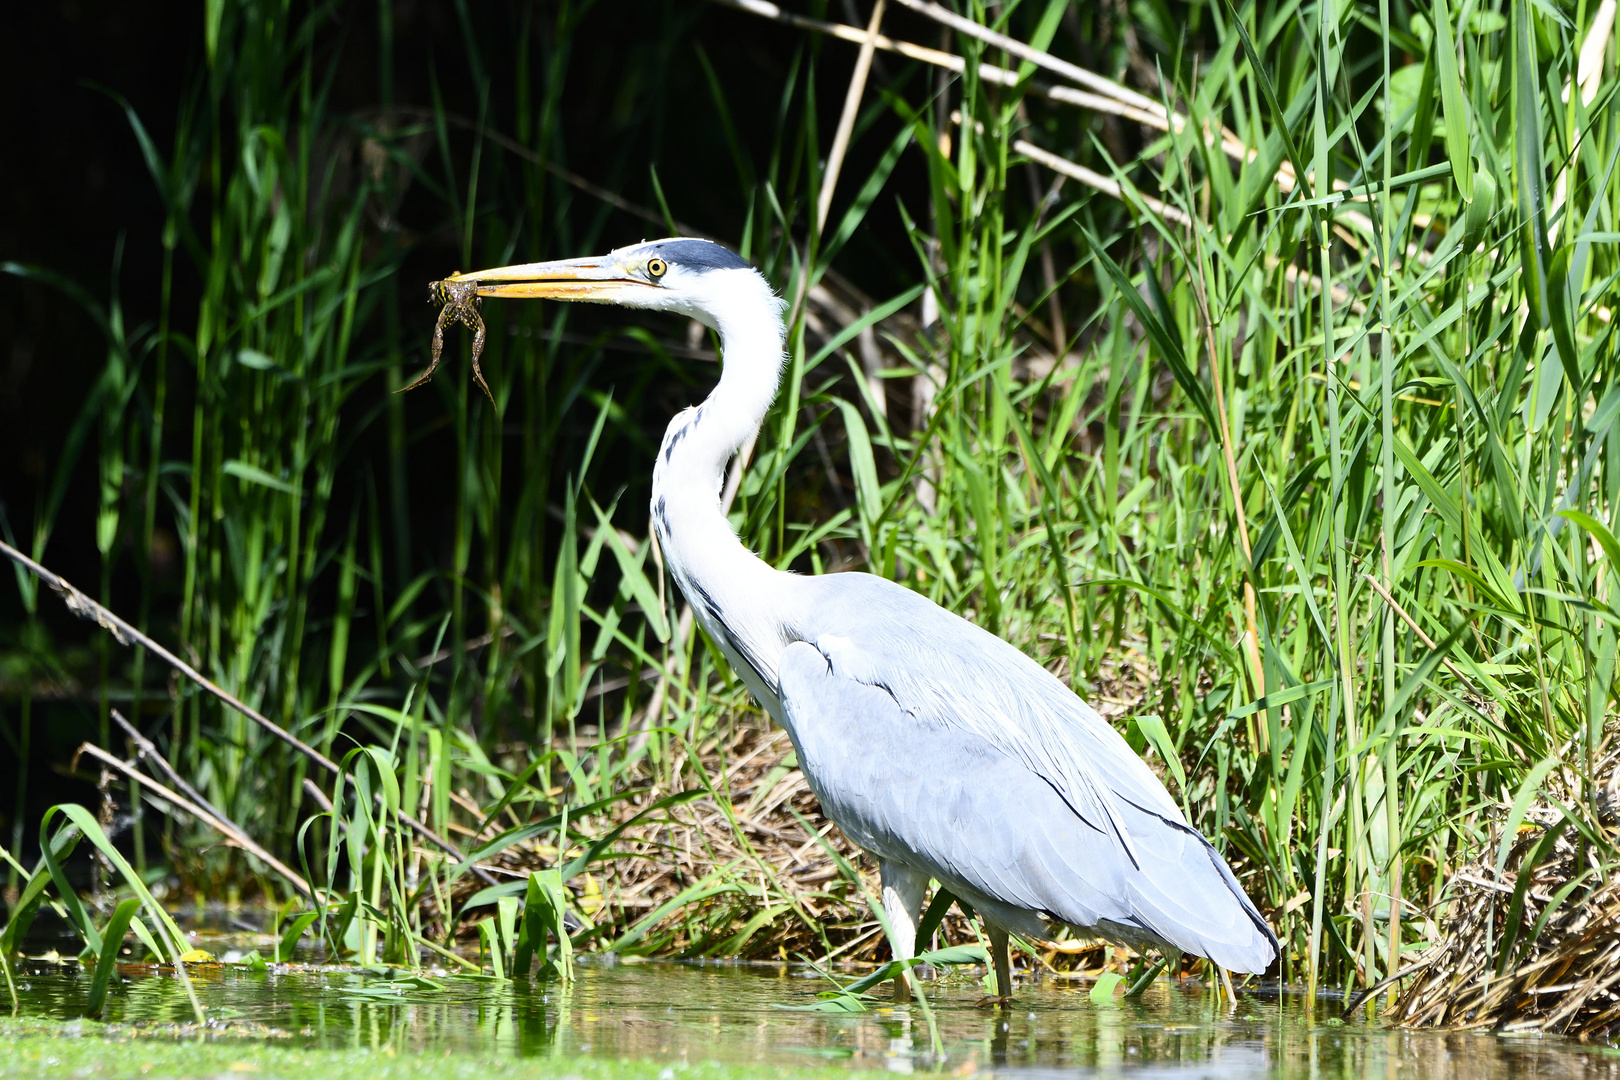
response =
{"points": [[459, 303]]}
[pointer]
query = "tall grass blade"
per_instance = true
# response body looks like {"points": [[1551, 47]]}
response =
{"points": [[112, 939], [1458, 143]]}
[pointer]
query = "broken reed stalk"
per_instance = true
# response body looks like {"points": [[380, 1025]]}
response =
{"points": [[232, 833], [1115, 100], [1107, 96], [1173, 214], [1073, 72], [1415, 628], [1098, 181], [846, 121], [1104, 95], [86, 608], [146, 750]]}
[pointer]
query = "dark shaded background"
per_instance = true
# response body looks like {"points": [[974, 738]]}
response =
{"points": [[80, 202], [76, 191]]}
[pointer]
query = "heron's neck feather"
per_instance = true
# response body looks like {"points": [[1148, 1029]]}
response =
{"points": [[710, 564], [748, 317], [700, 442]]}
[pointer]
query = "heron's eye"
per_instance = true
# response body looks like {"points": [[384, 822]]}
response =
{"points": [[656, 268]]}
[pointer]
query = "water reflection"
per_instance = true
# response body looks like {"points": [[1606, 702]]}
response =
{"points": [[730, 1013]]}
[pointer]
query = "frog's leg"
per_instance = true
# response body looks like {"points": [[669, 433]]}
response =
{"points": [[476, 321], [446, 313]]}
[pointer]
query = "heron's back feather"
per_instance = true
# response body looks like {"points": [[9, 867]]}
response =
{"points": [[932, 742]]}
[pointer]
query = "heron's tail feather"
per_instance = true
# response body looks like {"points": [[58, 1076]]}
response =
{"points": [[1171, 887], [1183, 891]]}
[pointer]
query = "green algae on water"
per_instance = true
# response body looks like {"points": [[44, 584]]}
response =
{"points": [[84, 1049]]}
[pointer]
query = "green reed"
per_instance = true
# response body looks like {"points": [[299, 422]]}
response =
{"points": [[1244, 443], [1416, 437]]}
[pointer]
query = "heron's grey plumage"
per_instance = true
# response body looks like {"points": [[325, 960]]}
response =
{"points": [[935, 745], [944, 748]]}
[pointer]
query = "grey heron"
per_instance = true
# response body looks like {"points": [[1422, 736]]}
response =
{"points": [[933, 744]]}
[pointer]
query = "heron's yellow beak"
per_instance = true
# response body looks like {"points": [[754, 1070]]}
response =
{"points": [[600, 278]]}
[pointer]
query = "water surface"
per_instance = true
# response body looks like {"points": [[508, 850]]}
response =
{"points": [[685, 1014]]}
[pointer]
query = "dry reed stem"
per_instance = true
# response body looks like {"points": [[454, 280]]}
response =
{"points": [[86, 608], [1567, 979], [846, 121], [1104, 95], [233, 835]]}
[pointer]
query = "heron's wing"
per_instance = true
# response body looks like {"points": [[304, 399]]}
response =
{"points": [[932, 796], [942, 667], [1017, 776], [943, 799]]}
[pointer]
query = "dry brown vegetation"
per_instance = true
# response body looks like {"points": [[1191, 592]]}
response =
{"points": [[1530, 940], [757, 872]]}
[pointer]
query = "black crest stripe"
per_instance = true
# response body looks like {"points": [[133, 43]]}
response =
{"points": [[699, 255]]}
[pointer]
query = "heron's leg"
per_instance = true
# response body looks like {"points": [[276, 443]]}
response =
{"points": [[903, 890], [1002, 959]]}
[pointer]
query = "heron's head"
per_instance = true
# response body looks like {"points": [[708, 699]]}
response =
{"points": [[696, 278]]}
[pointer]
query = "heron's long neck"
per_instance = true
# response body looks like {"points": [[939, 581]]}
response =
{"points": [[724, 582], [700, 442]]}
